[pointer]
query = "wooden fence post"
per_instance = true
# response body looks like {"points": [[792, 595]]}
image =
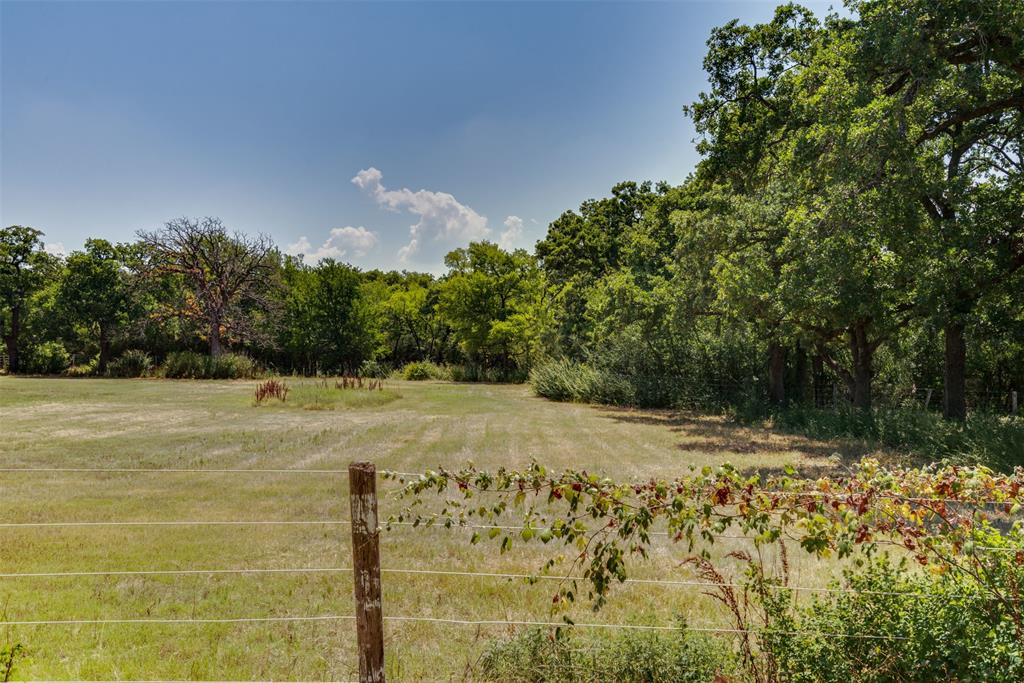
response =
{"points": [[362, 486]]}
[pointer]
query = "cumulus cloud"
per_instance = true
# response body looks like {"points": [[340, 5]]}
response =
{"points": [[340, 243], [55, 248], [440, 217], [512, 233]]}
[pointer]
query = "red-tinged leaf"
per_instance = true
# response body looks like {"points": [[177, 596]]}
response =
{"points": [[721, 495]]}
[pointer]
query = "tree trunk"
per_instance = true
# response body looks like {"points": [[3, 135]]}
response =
{"points": [[954, 399], [777, 374], [801, 377], [862, 354], [215, 346], [13, 361], [818, 380], [101, 365]]}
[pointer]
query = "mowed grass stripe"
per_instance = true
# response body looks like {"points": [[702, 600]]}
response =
{"points": [[164, 424]]}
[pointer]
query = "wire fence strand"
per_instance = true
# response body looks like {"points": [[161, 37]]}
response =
{"points": [[392, 473], [116, 523], [344, 522], [190, 470]]}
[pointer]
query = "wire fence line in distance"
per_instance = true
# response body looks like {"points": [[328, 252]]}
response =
{"points": [[427, 572], [429, 620]]}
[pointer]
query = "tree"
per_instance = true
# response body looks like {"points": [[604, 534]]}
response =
{"points": [[493, 300], [226, 277], [20, 255], [327, 321], [791, 104], [96, 292], [749, 118], [951, 76], [411, 323], [580, 248]]}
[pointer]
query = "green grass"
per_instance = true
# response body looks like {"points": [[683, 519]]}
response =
{"points": [[408, 427], [324, 395]]}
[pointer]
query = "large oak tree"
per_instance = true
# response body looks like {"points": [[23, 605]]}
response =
{"points": [[226, 277]]}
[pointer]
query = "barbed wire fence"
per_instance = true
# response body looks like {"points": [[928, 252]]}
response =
{"points": [[368, 615], [824, 391]]}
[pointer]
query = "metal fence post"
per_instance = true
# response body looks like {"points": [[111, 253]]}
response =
{"points": [[362, 484]]}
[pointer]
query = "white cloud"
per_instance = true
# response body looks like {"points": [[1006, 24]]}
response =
{"points": [[340, 243], [512, 234], [441, 218], [55, 248]]}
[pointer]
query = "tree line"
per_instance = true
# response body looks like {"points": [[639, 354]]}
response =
{"points": [[857, 218], [194, 285]]}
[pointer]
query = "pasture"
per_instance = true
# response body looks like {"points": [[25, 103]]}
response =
{"points": [[98, 423]]}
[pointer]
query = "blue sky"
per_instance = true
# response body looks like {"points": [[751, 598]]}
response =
{"points": [[383, 134]]}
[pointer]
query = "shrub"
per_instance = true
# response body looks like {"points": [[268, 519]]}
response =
{"points": [[184, 365], [192, 365], [131, 363], [84, 369], [613, 389], [475, 372], [231, 366], [372, 368], [9, 655], [48, 358], [626, 657], [424, 370], [949, 629]]}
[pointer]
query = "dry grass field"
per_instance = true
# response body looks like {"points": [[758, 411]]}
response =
{"points": [[68, 423]]}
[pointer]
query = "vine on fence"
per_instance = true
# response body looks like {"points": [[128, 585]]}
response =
{"points": [[956, 521]]}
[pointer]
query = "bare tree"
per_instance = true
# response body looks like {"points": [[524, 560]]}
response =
{"points": [[222, 272]]}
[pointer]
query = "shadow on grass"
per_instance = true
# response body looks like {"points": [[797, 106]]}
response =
{"points": [[718, 434]]}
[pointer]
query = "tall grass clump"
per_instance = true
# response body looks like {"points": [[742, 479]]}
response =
{"points": [[991, 440], [272, 388], [346, 393], [424, 370], [563, 380], [625, 657], [131, 363], [566, 380]]}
